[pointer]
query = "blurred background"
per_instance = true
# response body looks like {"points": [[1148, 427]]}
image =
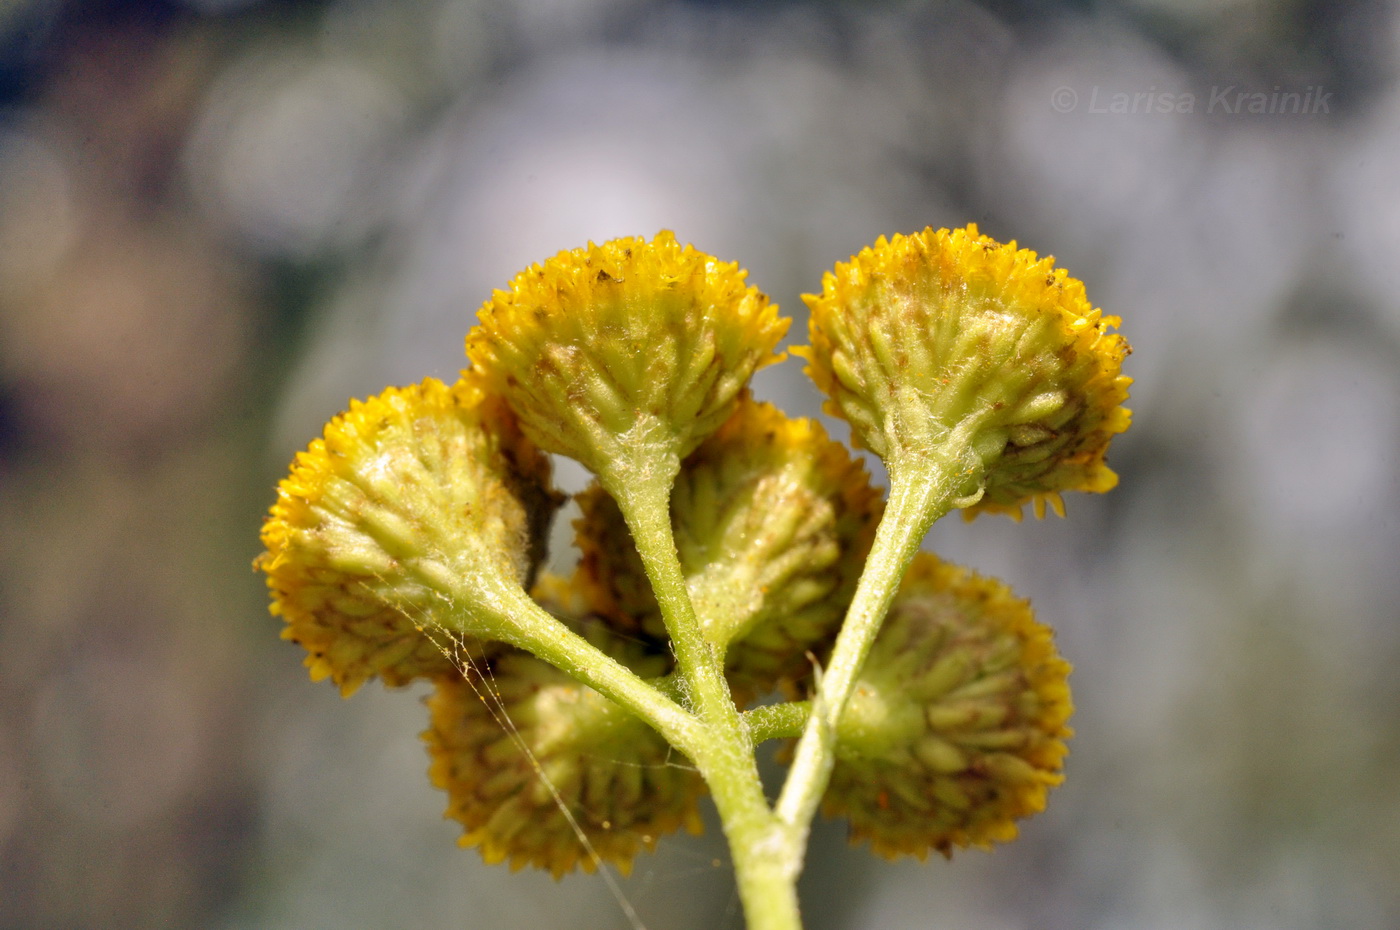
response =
{"points": [[220, 219]]}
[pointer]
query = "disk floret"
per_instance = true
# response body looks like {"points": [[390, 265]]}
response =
{"points": [[727, 553]]}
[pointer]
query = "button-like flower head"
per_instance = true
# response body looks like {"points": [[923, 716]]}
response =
{"points": [[957, 724], [616, 354], [953, 337], [416, 499]]}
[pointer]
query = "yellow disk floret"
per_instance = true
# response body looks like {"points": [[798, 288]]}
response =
{"points": [[957, 726], [513, 746], [413, 503], [615, 354], [951, 337], [772, 522]]}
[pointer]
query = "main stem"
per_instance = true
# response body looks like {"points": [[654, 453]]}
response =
{"points": [[765, 873], [922, 489]]}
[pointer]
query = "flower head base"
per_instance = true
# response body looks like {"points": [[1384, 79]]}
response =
{"points": [[772, 520], [566, 747], [957, 726], [624, 350], [947, 337], [412, 500]]}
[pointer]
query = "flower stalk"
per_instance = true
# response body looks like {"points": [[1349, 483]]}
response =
{"points": [[528, 626], [920, 493]]}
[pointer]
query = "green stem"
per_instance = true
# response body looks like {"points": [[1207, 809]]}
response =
{"points": [[766, 879], [766, 883], [922, 489], [723, 754], [523, 623], [777, 721], [646, 506]]}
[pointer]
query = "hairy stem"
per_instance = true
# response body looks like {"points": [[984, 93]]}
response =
{"points": [[646, 506], [759, 844], [777, 721], [922, 489], [525, 624]]}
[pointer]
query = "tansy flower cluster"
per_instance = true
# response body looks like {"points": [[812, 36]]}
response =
{"points": [[739, 578]]}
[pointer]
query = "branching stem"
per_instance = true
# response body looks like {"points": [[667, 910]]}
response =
{"points": [[767, 844], [759, 844]]}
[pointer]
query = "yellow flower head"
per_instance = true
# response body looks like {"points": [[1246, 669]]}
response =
{"points": [[958, 723], [620, 781], [629, 347], [416, 498], [772, 522], [950, 336]]}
